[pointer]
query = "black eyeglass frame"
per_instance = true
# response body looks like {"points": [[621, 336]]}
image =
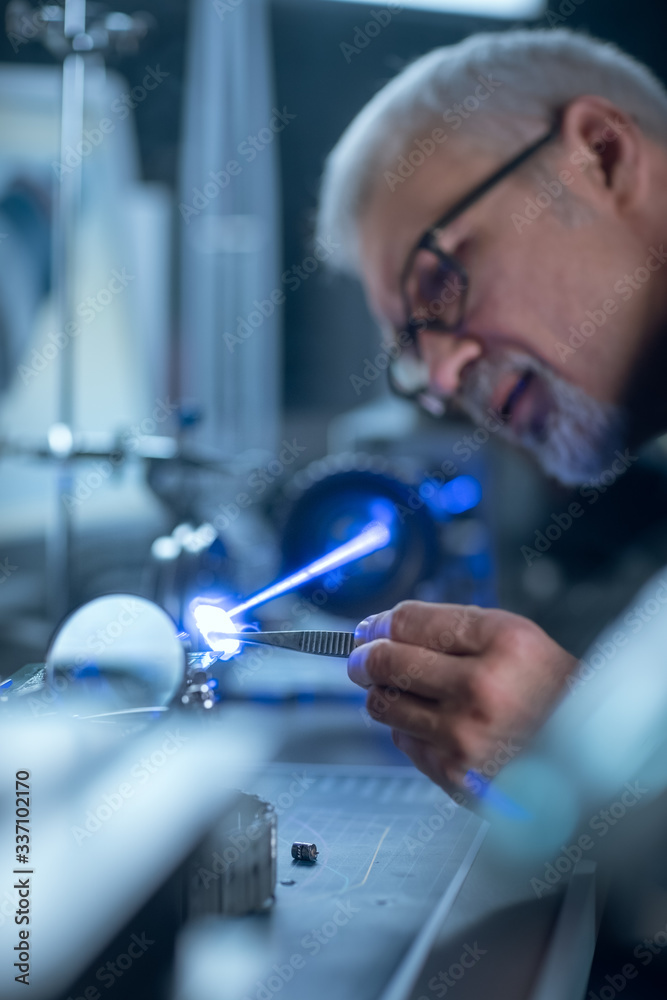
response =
{"points": [[428, 241]]}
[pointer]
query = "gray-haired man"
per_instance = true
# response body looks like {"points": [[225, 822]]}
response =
{"points": [[504, 202]]}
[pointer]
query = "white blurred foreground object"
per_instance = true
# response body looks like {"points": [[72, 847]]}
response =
{"points": [[605, 743], [110, 820]]}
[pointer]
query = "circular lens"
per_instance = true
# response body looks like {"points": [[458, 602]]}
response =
{"points": [[117, 652]]}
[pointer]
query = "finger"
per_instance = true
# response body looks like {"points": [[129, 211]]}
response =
{"points": [[454, 628], [413, 716], [463, 746], [411, 668], [404, 711], [442, 769]]}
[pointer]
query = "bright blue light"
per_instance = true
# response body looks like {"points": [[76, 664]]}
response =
{"points": [[460, 494], [384, 511], [492, 796]]}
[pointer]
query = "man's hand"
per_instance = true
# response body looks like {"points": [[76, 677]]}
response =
{"points": [[456, 683]]}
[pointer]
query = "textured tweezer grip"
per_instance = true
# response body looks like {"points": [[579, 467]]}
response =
{"points": [[327, 643], [322, 643]]}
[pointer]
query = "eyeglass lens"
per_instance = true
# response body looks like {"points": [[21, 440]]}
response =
{"points": [[435, 289]]}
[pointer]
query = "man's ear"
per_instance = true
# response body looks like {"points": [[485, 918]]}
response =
{"points": [[607, 147]]}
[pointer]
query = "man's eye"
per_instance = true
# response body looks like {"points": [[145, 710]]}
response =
{"points": [[437, 288], [433, 279]]}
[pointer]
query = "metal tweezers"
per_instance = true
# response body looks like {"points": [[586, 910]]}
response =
{"points": [[321, 643]]}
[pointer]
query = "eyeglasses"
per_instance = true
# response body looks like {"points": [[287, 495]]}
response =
{"points": [[434, 289]]}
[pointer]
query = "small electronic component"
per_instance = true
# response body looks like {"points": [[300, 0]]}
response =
{"points": [[304, 852]]}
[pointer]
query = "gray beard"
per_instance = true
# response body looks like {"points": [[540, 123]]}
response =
{"points": [[578, 436]]}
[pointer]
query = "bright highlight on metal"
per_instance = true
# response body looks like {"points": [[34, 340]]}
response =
{"points": [[212, 619], [490, 8]]}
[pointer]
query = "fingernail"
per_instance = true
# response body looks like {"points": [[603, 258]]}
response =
{"points": [[353, 658], [362, 629]]}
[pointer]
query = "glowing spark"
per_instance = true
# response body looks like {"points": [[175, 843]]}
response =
{"points": [[212, 619]]}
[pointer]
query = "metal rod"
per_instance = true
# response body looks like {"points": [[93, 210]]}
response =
{"points": [[67, 215]]}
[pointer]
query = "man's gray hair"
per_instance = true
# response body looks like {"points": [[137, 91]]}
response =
{"points": [[507, 85]]}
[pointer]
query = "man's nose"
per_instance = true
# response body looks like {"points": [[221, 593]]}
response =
{"points": [[446, 356]]}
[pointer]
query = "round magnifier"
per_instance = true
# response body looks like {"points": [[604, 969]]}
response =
{"points": [[116, 653]]}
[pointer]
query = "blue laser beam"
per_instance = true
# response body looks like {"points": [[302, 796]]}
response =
{"points": [[211, 618], [375, 536]]}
